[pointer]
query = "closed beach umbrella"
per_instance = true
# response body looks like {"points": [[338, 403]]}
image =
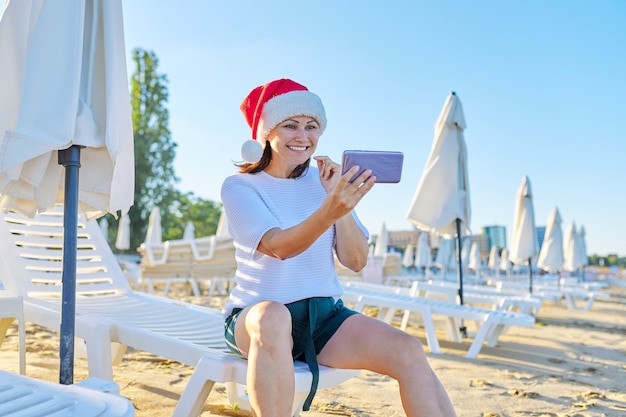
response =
{"points": [[572, 250], [407, 259], [122, 241], [583, 245], [154, 233], [493, 261], [551, 254], [465, 253], [474, 262], [382, 240], [442, 200], [63, 82], [65, 106], [222, 226], [524, 241], [190, 231], [505, 264], [444, 254], [423, 255], [104, 226]]}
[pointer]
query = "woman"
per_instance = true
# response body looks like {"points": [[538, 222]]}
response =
{"points": [[286, 219]]}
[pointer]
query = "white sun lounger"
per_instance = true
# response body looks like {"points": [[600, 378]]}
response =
{"points": [[524, 304], [571, 294], [22, 396], [11, 309], [490, 323], [108, 312]]}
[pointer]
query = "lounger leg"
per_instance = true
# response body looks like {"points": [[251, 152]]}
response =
{"points": [[298, 403], [431, 336], [194, 287], [481, 335], [193, 398], [117, 352], [494, 335], [99, 359], [237, 395], [5, 323], [22, 347], [196, 392]]}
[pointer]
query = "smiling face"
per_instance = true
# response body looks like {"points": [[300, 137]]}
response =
{"points": [[293, 142]]}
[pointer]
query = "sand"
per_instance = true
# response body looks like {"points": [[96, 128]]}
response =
{"points": [[571, 363]]}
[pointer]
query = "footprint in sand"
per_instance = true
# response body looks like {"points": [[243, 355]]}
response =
{"points": [[591, 395], [480, 383], [522, 393]]}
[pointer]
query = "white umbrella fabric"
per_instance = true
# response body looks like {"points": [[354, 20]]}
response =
{"points": [[222, 226], [122, 241], [382, 240], [572, 251], [104, 226], [64, 87], [442, 200], [423, 256], [493, 262], [190, 231], [474, 263], [583, 245], [64, 82], [465, 253], [524, 241], [551, 254], [444, 253], [505, 264], [409, 254], [154, 235]]}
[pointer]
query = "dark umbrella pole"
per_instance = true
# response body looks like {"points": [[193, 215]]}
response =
{"points": [[70, 159], [459, 269], [530, 276]]}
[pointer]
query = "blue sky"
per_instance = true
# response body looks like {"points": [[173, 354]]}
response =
{"points": [[543, 87]]}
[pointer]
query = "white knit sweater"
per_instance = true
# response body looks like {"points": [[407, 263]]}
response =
{"points": [[256, 203]]}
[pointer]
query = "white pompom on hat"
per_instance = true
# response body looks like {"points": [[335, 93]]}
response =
{"points": [[268, 105]]}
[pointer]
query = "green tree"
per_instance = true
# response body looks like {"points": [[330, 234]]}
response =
{"points": [[154, 148], [155, 151], [204, 214]]}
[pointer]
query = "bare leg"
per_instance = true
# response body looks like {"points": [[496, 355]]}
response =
{"points": [[263, 334], [363, 342]]}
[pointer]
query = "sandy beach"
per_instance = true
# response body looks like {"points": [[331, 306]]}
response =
{"points": [[570, 364]]}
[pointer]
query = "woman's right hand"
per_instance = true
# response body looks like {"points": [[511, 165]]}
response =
{"points": [[346, 195]]}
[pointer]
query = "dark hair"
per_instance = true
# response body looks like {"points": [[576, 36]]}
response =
{"points": [[261, 164]]}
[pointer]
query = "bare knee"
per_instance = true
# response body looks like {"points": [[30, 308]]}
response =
{"points": [[269, 324], [410, 355]]}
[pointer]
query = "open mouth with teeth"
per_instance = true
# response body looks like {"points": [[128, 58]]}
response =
{"points": [[298, 148]]}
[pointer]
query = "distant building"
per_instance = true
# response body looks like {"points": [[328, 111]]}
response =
{"points": [[496, 236], [483, 244], [541, 233], [401, 239]]}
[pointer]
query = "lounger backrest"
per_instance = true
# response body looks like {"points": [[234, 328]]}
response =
{"points": [[205, 257], [31, 256]]}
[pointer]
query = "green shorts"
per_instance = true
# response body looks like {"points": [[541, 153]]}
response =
{"points": [[327, 314]]}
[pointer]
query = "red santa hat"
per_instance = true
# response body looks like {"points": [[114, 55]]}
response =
{"points": [[268, 105]]}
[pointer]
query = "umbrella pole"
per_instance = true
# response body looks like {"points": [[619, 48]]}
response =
{"points": [[70, 159], [459, 261], [459, 247], [530, 275]]}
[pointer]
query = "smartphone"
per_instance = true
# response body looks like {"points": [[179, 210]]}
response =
{"points": [[386, 166]]}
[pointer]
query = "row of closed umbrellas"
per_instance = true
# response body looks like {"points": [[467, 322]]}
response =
{"points": [[154, 234], [441, 204]]}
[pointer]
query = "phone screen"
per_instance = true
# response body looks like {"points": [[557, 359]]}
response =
{"points": [[386, 166]]}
